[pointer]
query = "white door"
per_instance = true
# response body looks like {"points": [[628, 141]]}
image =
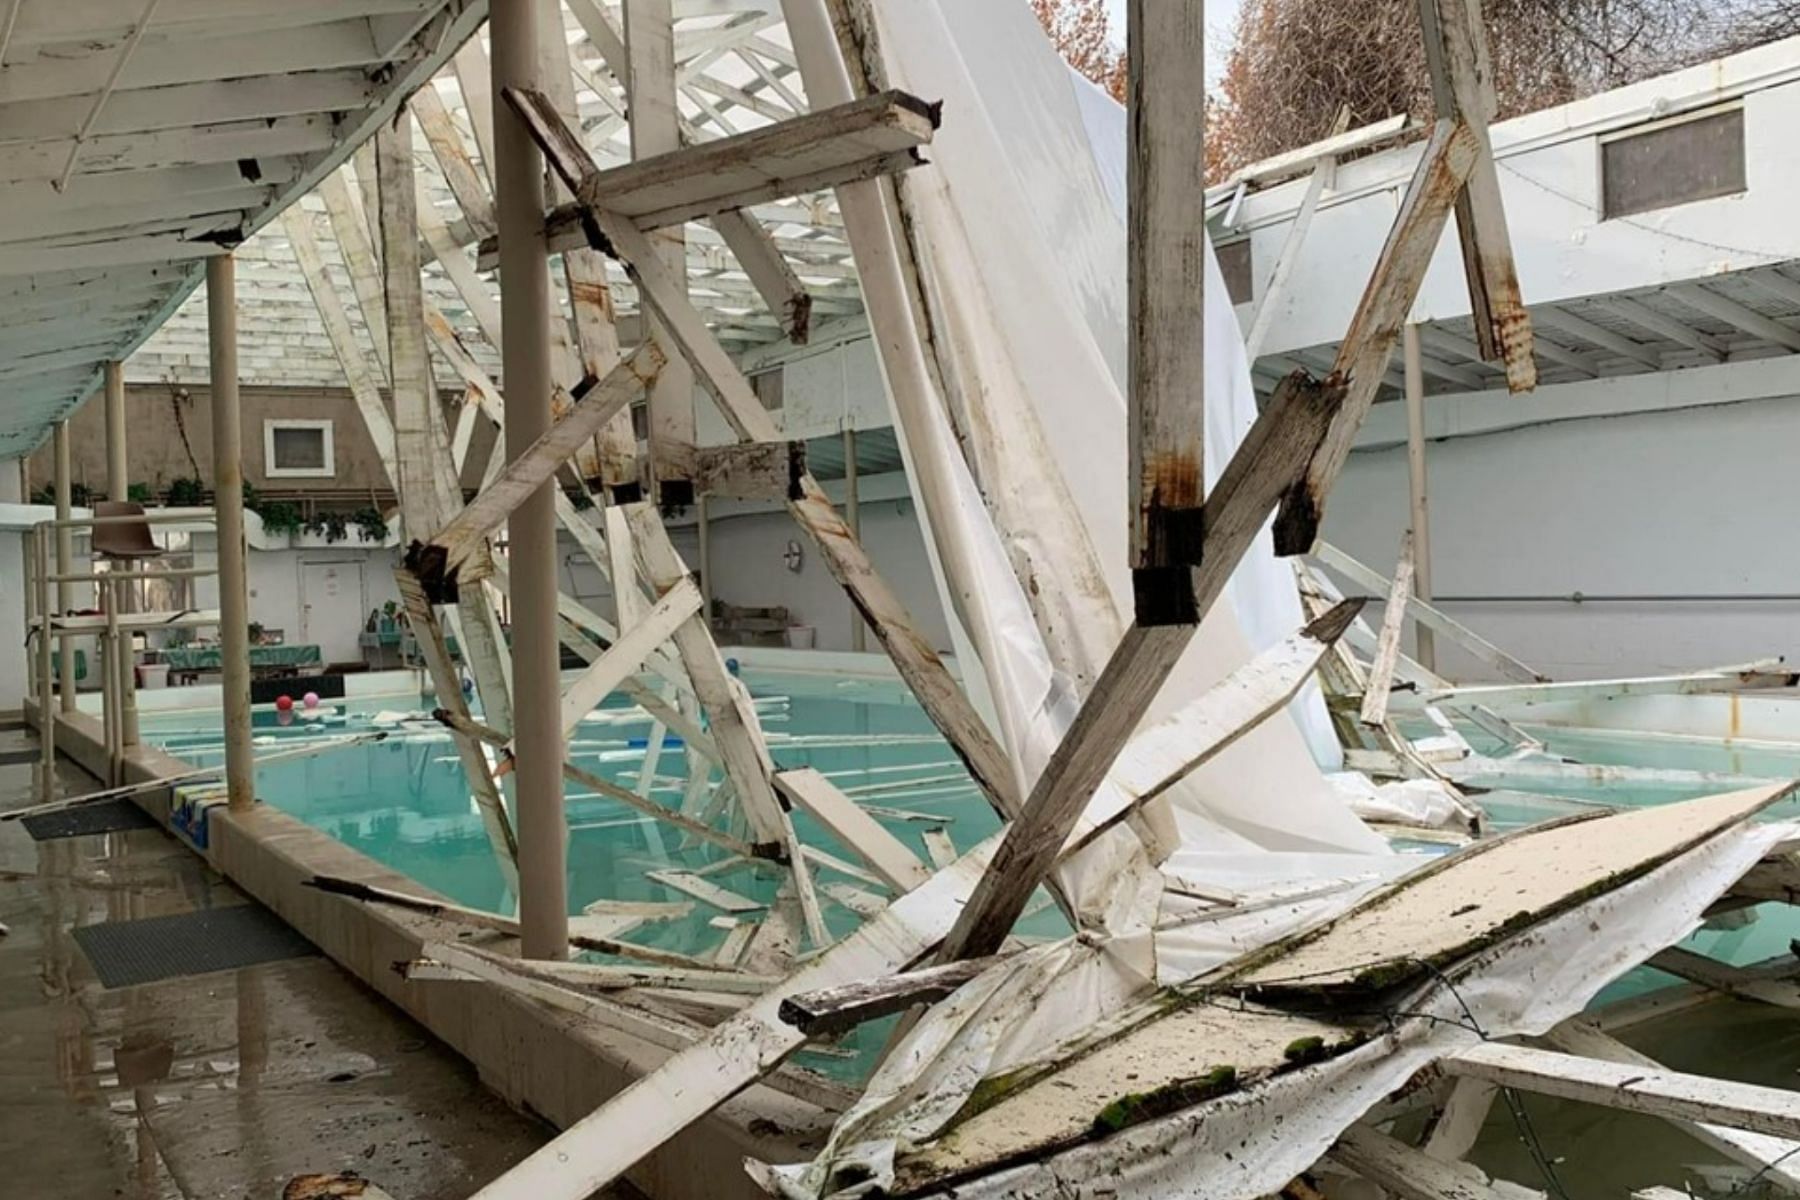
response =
{"points": [[333, 608]]}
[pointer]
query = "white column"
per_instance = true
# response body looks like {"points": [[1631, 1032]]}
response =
{"points": [[228, 506], [65, 556], [118, 487], [1421, 512], [531, 531]]}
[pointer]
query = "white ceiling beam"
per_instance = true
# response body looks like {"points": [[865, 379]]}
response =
{"points": [[1599, 336], [1652, 321], [244, 198], [201, 144], [126, 251], [101, 21], [195, 60], [179, 106], [1723, 308]]}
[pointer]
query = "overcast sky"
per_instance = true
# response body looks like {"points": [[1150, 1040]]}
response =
{"points": [[1221, 15]]}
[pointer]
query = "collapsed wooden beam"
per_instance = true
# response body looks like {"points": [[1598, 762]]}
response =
{"points": [[837, 1010], [1387, 646], [866, 837], [864, 139], [1432, 618], [606, 1143], [750, 470], [1462, 87], [437, 559], [1633, 1088], [919, 665], [1409, 1174], [1362, 358], [1770, 1157], [675, 607], [1274, 453], [1158, 758], [1166, 270]]}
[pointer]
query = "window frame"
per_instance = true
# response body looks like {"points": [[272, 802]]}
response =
{"points": [[1659, 125], [273, 470]]}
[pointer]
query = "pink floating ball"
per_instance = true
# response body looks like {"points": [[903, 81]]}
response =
{"points": [[310, 700], [284, 704]]}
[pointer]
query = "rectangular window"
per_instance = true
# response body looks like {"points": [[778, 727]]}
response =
{"points": [[298, 450], [1234, 264], [1674, 162]]}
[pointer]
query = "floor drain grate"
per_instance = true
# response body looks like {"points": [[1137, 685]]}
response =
{"points": [[127, 953], [106, 816]]}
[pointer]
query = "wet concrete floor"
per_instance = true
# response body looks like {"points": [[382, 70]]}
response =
{"points": [[221, 1086]]}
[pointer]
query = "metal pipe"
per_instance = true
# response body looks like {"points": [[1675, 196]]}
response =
{"points": [[118, 488], [40, 556], [531, 530], [1415, 471], [138, 577], [859, 631], [228, 507], [65, 554]]}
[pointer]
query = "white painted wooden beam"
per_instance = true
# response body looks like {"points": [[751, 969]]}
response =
{"points": [[1633, 1088], [1704, 299], [1166, 277]]}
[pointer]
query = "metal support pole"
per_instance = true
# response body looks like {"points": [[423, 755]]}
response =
{"points": [[228, 507], [859, 631], [37, 548], [1415, 469], [531, 531], [118, 488], [65, 554]]}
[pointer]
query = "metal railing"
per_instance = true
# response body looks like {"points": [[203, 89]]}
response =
{"points": [[113, 629]]}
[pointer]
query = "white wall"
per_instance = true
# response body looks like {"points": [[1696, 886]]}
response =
{"points": [[747, 548], [1689, 502]]}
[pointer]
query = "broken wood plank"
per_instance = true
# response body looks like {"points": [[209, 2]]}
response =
{"points": [[677, 606], [859, 140], [705, 891], [444, 551], [1432, 618], [1762, 986], [650, 808], [939, 848], [762, 260], [750, 470], [836, 1010], [1407, 1173], [428, 635], [1752, 677], [736, 732], [606, 1143], [1166, 281], [1770, 1157], [862, 834], [1276, 451], [1159, 757], [1462, 87], [354, 889], [1633, 1088], [1387, 645], [464, 179], [1387, 300]]}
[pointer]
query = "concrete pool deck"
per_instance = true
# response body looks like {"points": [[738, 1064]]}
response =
{"points": [[539, 1060]]}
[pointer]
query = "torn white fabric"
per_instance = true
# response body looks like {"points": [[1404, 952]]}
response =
{"points": [[1426, 803]]}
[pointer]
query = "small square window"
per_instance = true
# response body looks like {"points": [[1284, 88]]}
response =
{"points": [[1234, 264], [298, 450], [1676, 162]]}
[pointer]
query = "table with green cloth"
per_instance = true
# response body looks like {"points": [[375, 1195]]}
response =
{"points": [[281, 659]]}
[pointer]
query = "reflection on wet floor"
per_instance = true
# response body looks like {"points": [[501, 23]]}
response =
{"points": [[219, 1085]]}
